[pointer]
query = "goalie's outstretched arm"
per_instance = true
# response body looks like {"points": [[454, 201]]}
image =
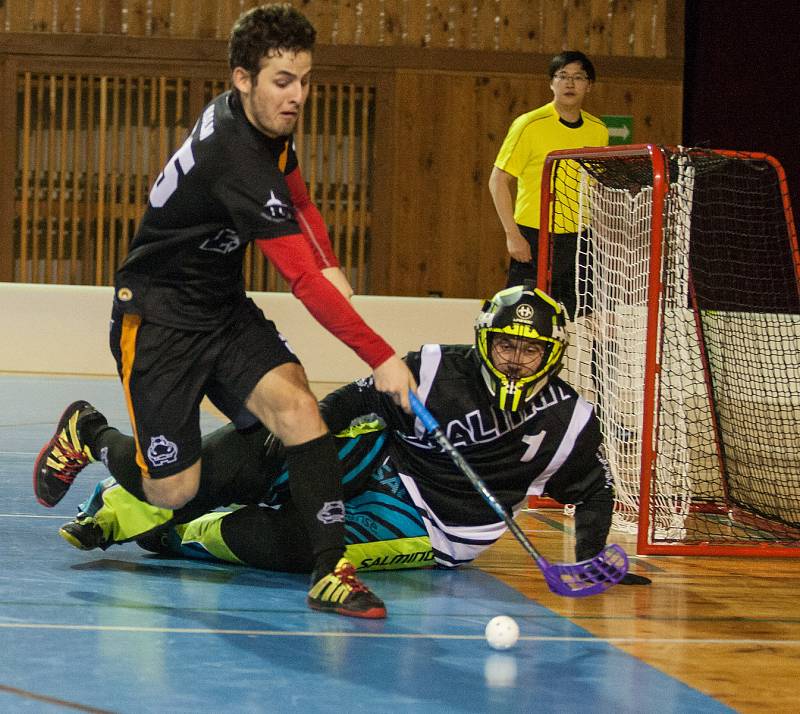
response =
{"points": [[592, 524]]}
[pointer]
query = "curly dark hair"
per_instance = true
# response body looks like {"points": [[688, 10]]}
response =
{"points": [[266, 30]]}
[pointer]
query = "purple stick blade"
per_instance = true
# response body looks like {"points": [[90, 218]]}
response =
{"points": [[588, 577]]}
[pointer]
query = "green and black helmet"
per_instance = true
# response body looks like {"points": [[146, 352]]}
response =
{"points": [[520, 312]]}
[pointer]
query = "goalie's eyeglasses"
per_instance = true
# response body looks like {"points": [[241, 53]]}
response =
{"points": [[518, 347]]}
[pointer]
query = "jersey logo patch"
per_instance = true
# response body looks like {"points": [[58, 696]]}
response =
{"points": [[226, 241], [275, 210], [331, 512], [162, 451]]}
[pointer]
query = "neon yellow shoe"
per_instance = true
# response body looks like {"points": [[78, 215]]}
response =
{"points": [[65, 455], [343, 593]]}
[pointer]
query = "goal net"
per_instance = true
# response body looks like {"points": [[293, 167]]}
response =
{"points": [[686, 337]]}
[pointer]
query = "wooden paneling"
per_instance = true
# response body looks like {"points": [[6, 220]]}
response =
{"points": [[93, 143], [442, 235], [656, 107], [8, 148], [409, 209], [616, 27], [91, 146]]}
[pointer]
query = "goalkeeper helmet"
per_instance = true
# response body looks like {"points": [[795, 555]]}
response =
{"points": [[520, 336]]}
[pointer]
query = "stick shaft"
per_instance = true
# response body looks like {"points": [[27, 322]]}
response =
{"points": [[432, 426], [587, 577]]}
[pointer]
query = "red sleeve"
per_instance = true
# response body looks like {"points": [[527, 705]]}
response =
{"points": [[311, 222], [292, 258]]}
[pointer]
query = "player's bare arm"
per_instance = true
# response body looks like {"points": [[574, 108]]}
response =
{"points": [[339, 280], [395, 379], [500, 186]]}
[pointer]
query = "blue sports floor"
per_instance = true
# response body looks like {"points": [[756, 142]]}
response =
{"points": [[127, 631]]}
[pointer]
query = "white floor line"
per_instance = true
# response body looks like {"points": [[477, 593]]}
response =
{"points": [[390, 635]]}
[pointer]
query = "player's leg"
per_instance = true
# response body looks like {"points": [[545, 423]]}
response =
{"points": [[275, 539], [593, 522], [272, 537], [384, 529], [285, 403], [258, 367], [112, 515], [236, 468], [163, 372], [565, 247]]}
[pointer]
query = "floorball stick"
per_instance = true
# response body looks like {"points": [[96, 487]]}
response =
{"points": [[588, 577]]}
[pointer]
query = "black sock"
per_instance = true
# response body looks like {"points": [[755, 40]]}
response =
{"points": [[268, 538], [315, 482], [118, 452]]}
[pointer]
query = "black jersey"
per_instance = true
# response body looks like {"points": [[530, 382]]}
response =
{"points": [[552, 445], [223, 188]]}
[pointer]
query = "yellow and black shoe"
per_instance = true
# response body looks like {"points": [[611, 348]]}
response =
{"points": [[84, 533], [342, 592], [64, 456]]}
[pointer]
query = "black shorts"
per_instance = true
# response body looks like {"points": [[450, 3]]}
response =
{"points": [[563, 282], [166, 372]]}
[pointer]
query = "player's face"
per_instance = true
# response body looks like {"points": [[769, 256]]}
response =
{"points": [[570, 86], [272, 100], [516, 357]]}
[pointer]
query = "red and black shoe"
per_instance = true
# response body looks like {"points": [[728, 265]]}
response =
{"points": [[65, 455], [341, 591]]}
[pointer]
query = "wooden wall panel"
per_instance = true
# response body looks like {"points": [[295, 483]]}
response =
{"points": [[15, 17], [573, 28], [443, 235], [8, 148], [618, 27], [372, 29], [449, 78]]}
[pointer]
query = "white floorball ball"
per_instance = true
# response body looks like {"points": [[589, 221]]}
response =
{"points": [[502, 632]]}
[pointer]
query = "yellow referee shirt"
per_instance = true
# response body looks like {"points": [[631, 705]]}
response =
{"points": [[531, 137]]}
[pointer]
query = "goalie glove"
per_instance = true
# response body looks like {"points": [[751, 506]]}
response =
{"points": [[592, 523]]}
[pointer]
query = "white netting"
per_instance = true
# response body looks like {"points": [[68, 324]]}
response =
{"points": [[726, 433]]}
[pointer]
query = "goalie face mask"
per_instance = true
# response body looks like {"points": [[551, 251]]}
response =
{"points": [[520, 337]]}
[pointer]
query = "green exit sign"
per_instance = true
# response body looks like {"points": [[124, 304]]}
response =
{"points": [[620, 128]]}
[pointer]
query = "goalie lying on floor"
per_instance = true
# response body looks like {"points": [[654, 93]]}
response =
{"points": [[524, 430]]}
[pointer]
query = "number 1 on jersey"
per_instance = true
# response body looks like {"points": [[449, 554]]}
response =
{"points": [[533, 442]]}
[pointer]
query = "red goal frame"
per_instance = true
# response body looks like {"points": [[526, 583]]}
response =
{"points": [[658, 157]]}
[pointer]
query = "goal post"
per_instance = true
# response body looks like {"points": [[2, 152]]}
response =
{"points": [[686, 337]]}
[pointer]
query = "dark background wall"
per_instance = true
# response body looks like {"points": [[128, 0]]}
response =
{"points": [[742, 80]]}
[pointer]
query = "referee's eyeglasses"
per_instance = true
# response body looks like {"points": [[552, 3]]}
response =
{"points": [[577, 78]]}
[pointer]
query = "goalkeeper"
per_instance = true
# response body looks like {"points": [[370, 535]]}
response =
{"points": [[524, 430]]}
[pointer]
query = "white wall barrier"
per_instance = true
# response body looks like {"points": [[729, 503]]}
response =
{"points": [[63, 329]]}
